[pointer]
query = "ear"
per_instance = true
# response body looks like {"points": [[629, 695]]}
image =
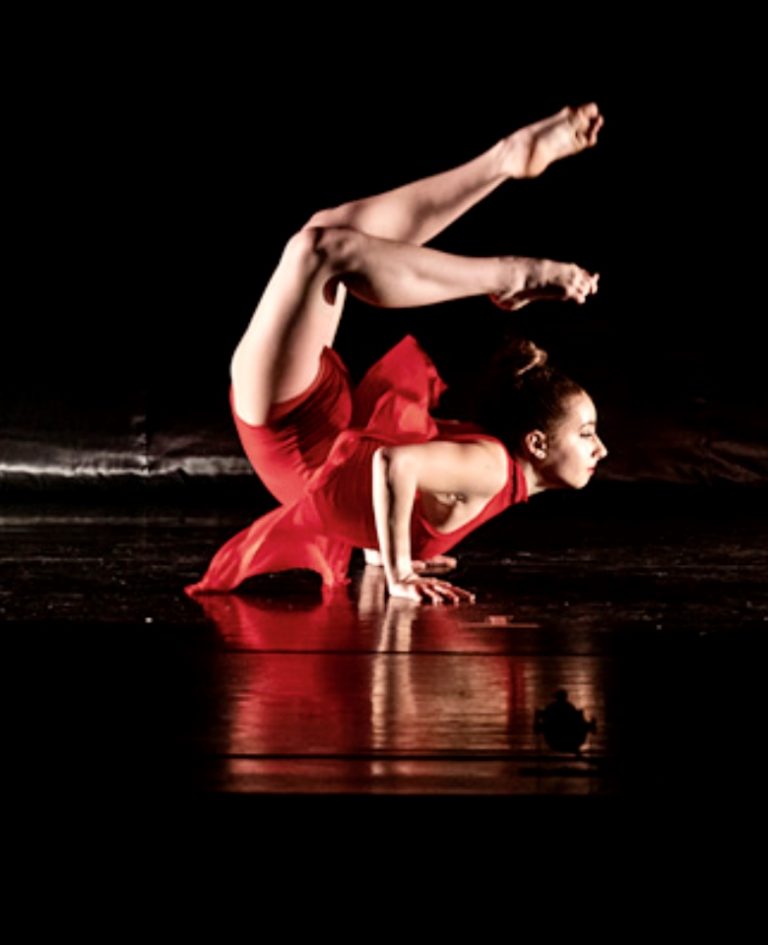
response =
{"points": [[536, 444]]}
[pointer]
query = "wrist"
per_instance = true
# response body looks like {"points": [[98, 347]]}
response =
{"points": [[403, 569]]}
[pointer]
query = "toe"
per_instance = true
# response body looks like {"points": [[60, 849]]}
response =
{"points": [[585, 115], [593, 131]]}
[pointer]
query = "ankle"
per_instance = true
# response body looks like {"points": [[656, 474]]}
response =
{"points": [[514, 155], [502, 159], [513, 272]]}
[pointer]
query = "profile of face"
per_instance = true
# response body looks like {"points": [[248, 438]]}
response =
{"points": [[568, 455]]}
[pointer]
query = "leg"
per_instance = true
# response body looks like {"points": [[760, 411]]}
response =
{"points": [[278, 356], [299, 311], [401, 275], [418, 211]]}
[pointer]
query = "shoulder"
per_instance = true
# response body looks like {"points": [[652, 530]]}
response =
{"points": [[475, 467], [492, 458]]}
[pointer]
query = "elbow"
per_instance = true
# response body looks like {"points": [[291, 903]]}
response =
{"points": [[397, 462]]}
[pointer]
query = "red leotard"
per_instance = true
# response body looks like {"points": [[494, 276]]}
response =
{"points": [[314, 454]]}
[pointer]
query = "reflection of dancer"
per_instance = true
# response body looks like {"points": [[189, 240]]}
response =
{"points": [[373, 469]]}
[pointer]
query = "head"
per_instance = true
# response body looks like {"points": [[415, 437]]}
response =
{"points": [[545, 418]]}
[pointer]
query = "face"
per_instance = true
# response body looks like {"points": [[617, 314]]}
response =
{"points": [[573, 448]]}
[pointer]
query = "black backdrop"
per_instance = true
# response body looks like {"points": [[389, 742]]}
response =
{"points": [[158, 172]]}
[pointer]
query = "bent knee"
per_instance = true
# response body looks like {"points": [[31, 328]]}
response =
{"points": [[314, 246], [344, 215]]}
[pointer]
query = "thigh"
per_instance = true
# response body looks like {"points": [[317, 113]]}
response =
{"points": [[299, 433], [279, 356]]}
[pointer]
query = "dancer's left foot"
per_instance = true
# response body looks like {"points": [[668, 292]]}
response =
{"points": [[531, 280]]}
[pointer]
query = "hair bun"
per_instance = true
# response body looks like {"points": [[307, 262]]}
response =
{"points": [[517, 357], [529, 356], [521, 391]]}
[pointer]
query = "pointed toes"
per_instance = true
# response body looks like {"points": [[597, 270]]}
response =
{"points": [[593, 131]]}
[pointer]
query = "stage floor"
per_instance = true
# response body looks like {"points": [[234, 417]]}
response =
{"points": [[652, 618]]}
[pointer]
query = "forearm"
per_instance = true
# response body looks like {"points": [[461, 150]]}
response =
{"points": [[394, 492]]}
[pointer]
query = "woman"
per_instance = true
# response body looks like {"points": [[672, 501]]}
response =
{"points": [[372, 468]]}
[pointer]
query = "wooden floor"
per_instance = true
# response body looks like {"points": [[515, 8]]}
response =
{"points": [[654, 626]]}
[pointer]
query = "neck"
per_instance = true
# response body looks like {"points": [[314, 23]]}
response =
{"points": [[533, 481]]}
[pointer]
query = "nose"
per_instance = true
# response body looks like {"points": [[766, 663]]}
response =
{"points": [[602, 452]]}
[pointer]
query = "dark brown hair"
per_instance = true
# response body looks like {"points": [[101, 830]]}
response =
{"points": [[522, 392]]}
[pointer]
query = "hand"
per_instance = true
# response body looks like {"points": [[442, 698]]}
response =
{"points": [[416, 588], [438, 564]]}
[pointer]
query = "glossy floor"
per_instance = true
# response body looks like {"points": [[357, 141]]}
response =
{"points": [[606, 657]]}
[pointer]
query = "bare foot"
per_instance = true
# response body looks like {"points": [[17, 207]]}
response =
{"points": [[536, 279], [529, 151]]}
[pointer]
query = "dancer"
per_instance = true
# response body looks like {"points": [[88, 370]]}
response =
{"points": [[372, 468]]}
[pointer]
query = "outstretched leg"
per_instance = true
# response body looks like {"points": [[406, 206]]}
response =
{"points": [[298, 314], [320, 263], [418, 211]]}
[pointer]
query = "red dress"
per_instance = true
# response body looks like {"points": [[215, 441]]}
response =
{"points": [[314, 454]]}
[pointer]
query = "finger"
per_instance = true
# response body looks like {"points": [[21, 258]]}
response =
{"points": [[437, 591], [465, 595], [457, 593], [423, 587], [427, 591], [449, 593]]}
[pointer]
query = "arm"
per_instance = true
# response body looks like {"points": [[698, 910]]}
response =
{"points": [[438, 467]]}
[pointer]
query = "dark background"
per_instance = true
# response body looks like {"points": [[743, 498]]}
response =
{"points": [[157, 170]]}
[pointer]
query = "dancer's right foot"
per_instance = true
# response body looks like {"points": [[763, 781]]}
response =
{"points": [[530, 280], [529, 151]]}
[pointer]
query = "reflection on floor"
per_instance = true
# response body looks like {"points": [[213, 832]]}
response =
{"points": [[606, 657]]}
